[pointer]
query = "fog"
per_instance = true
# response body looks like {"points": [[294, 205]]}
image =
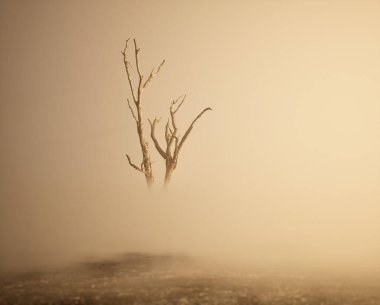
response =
{"points": [[284, 173], [252, 231]]}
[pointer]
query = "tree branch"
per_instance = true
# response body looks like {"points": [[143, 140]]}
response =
{"points": [[133, 114], [167, 134], [173, 111], [138, 71], [134, 166], [155, 141], [190, 128], [126, 64], [176, 101], [153, 74]]}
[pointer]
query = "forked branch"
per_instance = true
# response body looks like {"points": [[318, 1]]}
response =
{"points": [[135, 166], [153, 74], [155, 141], [172, 138]]}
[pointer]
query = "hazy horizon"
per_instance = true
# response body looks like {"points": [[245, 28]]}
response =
{"points": [[285, 171]]}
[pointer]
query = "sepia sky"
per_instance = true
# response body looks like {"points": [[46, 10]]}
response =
{"points": [[285, 169]]}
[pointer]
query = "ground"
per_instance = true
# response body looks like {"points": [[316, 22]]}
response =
{"points": [[138, 278]]}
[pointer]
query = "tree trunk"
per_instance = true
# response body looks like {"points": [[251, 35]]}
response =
{"points": [[168, 173], [147, 165], [149, 179]]}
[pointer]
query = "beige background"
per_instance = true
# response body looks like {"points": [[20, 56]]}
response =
{"points": [[286, 169]]}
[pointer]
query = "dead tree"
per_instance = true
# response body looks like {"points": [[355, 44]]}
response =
{"points": [[136, 111], [174, 142]]}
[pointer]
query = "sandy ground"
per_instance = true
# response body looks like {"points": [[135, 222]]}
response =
{"points": [[168, 279]]}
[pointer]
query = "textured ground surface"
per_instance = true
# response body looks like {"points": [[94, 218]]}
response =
{"points": [[145, 279]]}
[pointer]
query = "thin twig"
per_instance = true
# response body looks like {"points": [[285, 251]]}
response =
{"points": [[135, 166], [153, 74], [133, 114]]}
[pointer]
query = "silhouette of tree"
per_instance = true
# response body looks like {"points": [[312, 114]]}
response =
{"points": [[174, 142], [137, 111]]}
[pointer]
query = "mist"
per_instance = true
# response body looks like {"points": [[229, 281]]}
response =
{"points": [[283, 174], [245, 230]]}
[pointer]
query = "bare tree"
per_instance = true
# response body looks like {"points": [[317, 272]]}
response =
{"points": [[174, 142], [136, 111]]}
